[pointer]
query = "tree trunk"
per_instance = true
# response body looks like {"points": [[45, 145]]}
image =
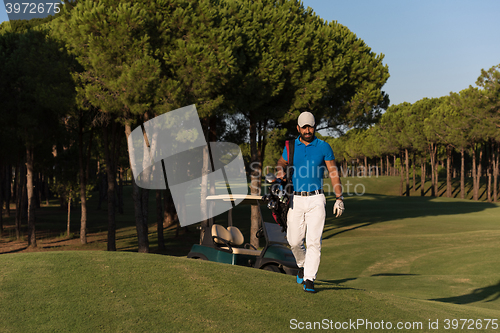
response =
{"points": [[262, 142], [69, 215], [414, 174], [488, 186], [393, 169], [159, 221], [433, 153], [479, 171], [31, 199], [142, 236], [145, 212], [206, 169], [142, 232], [119, 184], [462, 173], [120, 191], [407, 163], [15, 189], [475, 189], [169, 212], [20, 188], [448, 170], [495, 172], [423, 161], [366, 166], [488, 172], [83, 186], [436, 178], [108, 152], [255, 178], [401, 167], [144, 240]]}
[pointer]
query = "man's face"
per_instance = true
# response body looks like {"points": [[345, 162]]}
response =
{"points": [[306, 132]]}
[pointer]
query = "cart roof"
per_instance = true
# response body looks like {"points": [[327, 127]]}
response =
{"points": [[246, 198]]}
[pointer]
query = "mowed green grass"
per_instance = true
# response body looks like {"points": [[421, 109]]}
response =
{"points": [[388, 258], [439, 249], [126, 292]]}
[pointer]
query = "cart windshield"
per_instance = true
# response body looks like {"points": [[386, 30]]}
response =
{"points": [[274, 234]]}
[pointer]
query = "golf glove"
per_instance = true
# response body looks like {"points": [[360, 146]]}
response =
{"points": [[338, 208]]}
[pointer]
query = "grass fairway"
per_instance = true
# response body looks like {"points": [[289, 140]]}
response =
{"points": [[126, 292], [410, 260]]}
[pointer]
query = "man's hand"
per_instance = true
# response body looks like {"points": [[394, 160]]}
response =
{"points": [[281, 167], [338, 208]]}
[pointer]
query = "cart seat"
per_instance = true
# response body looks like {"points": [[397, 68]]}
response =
{"points": [[220, 234], [237, 238], [233, 237]]}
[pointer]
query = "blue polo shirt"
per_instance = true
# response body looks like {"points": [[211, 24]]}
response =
{"points": [[309, 164]]}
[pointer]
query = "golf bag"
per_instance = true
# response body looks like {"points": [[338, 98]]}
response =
{"points": [[280, 191]]}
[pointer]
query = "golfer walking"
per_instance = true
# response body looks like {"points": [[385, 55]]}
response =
{"points": [[306, 216]]}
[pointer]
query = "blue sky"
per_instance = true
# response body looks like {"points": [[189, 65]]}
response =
{"points": [[432, 47]]}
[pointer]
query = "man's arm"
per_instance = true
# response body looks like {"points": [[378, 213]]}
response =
{"points": [[338, 207], [334, 176], [281, 167]]}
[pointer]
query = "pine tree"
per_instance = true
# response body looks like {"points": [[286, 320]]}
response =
{"points": [[41, 91]]}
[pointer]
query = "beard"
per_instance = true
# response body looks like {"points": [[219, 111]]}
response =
{"points": [[308, 137]]}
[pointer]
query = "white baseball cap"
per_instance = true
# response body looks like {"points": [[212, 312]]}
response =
{"points": [[306, 118]]}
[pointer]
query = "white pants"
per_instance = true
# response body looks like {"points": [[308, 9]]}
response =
{"points": [[305, 220]]}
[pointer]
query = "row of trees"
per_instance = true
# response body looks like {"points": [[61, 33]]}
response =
{"points": [[462, 127], [77, 83]]}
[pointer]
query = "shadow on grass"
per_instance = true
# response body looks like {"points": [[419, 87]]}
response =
{"points": [[54, 247], [346, 230], [59, 240], [363, 211], [477, 295], [394, 274], [456, 191], [16, 250], [321, 285], [337, 281]]}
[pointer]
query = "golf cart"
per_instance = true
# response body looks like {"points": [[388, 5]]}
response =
{"points": [[225, 245]]}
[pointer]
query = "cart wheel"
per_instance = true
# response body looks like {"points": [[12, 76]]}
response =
{"points": [[272, 268]]}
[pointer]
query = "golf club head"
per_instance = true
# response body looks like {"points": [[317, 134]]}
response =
{"points": [[274, 189], [270, 178], [271, 205]]}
